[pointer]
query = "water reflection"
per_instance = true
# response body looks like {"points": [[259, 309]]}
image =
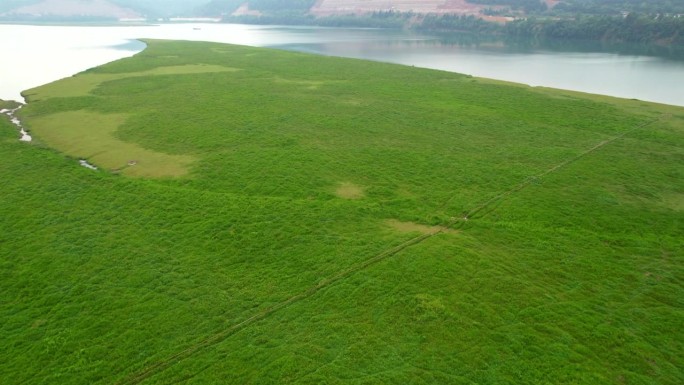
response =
{"points": [[629, 49], [41, 54], [573, 67]]}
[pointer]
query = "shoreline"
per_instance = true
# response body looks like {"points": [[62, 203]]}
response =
{"points": [[10, 108], [422, 56], [33, 96]]}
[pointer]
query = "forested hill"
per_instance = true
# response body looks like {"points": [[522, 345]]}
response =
{"points": [[608, 7], [635, 21], [459, 7], [633, 28], [656, 21]]}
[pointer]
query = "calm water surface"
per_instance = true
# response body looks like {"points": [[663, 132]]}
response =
{"points": [[35, 55]]}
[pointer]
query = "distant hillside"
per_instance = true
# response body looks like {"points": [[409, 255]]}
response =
{"points": [[481, 8], [608, 7], [163, 8], [347, 7], [267, 11], [333, 7], [658, 22], [71, 9], [95, 9]]}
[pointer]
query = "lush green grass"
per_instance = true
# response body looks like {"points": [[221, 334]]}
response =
{"points": [[92, 135], [8, 104], [305, 167]]}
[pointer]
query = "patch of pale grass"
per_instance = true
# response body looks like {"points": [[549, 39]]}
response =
{"points": [[308, 84], [412, 227], [83, 84], [90, 136], [347, 190], [674, 201]]}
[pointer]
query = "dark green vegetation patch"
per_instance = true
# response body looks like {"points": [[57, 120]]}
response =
{"points": [[319, 234]]}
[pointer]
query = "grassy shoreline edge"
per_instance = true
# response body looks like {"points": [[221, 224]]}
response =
{"points": [[582, 267]]}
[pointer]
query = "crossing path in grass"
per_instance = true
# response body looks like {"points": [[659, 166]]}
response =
{"points": [[534, 178], [455, 223]]}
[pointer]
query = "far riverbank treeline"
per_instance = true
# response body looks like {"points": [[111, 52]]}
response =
{"points": [[633, 28], [658, 22]]}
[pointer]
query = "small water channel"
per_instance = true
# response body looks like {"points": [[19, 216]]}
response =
{"points": [[24, 136], [11, 113]]}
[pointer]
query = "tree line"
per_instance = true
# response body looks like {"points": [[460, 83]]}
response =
{"points": [[613, 7], [656, 21], [633, 28]]}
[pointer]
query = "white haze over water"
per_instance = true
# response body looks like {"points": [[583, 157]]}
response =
{"points": [[36, 55]]}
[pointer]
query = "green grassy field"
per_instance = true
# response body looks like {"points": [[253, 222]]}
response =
{"points": [[8, 104], [295, 219]]}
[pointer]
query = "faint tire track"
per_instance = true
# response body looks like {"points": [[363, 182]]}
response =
{"points": [[452, 224], [531, 179]]}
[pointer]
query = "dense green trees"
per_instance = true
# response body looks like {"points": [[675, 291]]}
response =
{"points": [[590, 7], [634, 21], [528, 6], [459, 23], [281, 5], [611, 7], [632, 28], [270, 8], [612, 20]]}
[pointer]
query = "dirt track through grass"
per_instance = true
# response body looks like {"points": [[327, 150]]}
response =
{"points": [[456, 223], [534, 178]]}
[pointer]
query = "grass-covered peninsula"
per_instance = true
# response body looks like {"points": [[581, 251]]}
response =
{"points": [[268, 217]]}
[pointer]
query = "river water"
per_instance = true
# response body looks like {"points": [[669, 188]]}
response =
{"points": [[35, 55]]}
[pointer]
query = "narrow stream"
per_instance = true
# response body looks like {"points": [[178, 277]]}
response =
{"points": [[85, 164], [25, 137]]}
